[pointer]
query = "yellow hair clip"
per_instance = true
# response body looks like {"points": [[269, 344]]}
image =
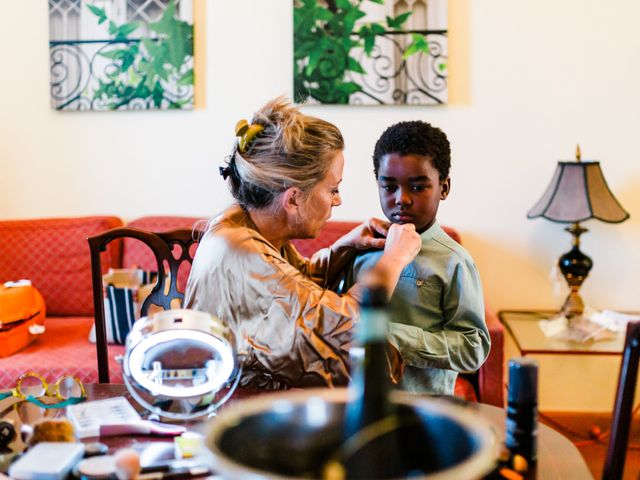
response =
{"points": [[247, 134]]}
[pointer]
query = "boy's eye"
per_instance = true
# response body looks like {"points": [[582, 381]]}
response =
{"points": [[418, 188], [389, 188]]}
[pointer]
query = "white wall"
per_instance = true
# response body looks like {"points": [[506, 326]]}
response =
{"points": [[530, 80]]}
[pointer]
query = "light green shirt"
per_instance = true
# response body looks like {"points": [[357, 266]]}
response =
{"points": [[436, 312]]}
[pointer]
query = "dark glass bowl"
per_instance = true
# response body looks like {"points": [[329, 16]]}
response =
{"points": [[296, 434]]}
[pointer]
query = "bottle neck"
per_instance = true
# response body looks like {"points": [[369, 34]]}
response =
{"points": [[371, 381], [373, 326]]}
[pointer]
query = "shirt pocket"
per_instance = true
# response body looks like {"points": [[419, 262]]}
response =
{"points": [[430, 297], [417, 291], [431, 284], [423, 294]]}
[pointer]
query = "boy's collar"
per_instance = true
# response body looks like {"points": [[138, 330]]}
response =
{"points": [[430, 232]]}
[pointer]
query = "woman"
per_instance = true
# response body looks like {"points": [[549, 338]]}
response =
{"points": [[284, 173]]}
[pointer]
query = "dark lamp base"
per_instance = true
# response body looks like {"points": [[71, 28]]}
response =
{"points": [[575, 267]]}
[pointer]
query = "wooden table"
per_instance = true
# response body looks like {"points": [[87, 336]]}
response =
{"points": [[558, 458]]}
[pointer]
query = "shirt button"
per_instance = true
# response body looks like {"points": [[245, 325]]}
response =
{"points": [[419, 283]]}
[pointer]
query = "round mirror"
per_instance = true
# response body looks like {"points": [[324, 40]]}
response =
{"points": [[180, 364]]}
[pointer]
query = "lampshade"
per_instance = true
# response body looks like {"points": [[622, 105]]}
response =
{"points": [[578, 192]]}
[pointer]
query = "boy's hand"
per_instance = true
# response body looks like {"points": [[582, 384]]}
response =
{"points": [[370, 234]]}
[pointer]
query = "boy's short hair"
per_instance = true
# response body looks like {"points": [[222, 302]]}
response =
{"points": [[415, 138]]}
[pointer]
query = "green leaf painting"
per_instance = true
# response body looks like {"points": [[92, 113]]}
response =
{"points": [[398, 21], [99, 12], [365, 51], [419, 44], [135, 59]]}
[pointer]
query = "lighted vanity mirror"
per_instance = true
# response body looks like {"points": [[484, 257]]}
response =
{"points": [[180, 364]]}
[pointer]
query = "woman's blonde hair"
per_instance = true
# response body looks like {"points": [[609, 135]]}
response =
{"points": [[293, 150]]}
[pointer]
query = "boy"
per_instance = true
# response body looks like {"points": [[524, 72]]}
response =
{"points": [[437, 309]]}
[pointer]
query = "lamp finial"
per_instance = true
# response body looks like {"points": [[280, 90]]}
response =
{"points": [[578, 153]]}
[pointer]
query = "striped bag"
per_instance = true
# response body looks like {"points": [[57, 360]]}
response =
{"points": [[125, 290]]}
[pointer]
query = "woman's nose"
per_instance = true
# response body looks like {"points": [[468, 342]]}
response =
{"points": [[337, 201]]}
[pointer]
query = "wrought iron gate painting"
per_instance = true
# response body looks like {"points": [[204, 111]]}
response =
{"points": [[121, 54], [370, 51]]}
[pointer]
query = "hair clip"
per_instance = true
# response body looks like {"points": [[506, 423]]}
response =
{"points": [[247, 134], [225, 172]]}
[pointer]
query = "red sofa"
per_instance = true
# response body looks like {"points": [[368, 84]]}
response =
{"points": [[54, 255]]}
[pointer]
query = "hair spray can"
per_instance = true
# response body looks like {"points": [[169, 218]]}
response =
{"points": [[522, 408]]}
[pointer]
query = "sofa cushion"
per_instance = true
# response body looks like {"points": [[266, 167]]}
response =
{"points": [[464, 389], [331, 232], [62, 349], [54, 254]]}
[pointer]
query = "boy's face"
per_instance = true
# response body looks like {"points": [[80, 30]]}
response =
{"points": [[410, 189]]}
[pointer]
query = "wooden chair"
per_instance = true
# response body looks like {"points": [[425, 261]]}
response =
{"points": [[617, 450], [170, 249]]}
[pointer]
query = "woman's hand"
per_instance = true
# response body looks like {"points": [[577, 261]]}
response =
{"points": [[370, 234], [403, 244]]}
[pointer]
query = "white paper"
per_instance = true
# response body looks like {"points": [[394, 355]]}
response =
{"points": [[87, 417]]}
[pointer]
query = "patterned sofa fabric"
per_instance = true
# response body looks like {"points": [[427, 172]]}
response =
{"points": [[54, 254], [63, 349]]}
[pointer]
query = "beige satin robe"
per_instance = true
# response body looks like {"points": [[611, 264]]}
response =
{"points": [[290, 330]]}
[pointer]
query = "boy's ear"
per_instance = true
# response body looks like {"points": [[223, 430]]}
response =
{"points": [[445, 188], [291, 200]]}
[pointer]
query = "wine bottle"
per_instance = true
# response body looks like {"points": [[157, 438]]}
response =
{"points": [[369, 431]]}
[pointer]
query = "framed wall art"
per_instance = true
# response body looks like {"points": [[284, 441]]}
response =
{"points": [[378, 52], [121, 54]]}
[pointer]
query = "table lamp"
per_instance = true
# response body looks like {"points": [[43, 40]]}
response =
{"points": [[577, 192]]}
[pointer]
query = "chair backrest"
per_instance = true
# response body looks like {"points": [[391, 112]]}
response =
{"points": [[171, 249], [621, 423]]}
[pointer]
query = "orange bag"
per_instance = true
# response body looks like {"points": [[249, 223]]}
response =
{"points": [[22, 314]]}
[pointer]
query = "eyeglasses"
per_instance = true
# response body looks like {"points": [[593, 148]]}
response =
{"points": [[32, 387]]}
